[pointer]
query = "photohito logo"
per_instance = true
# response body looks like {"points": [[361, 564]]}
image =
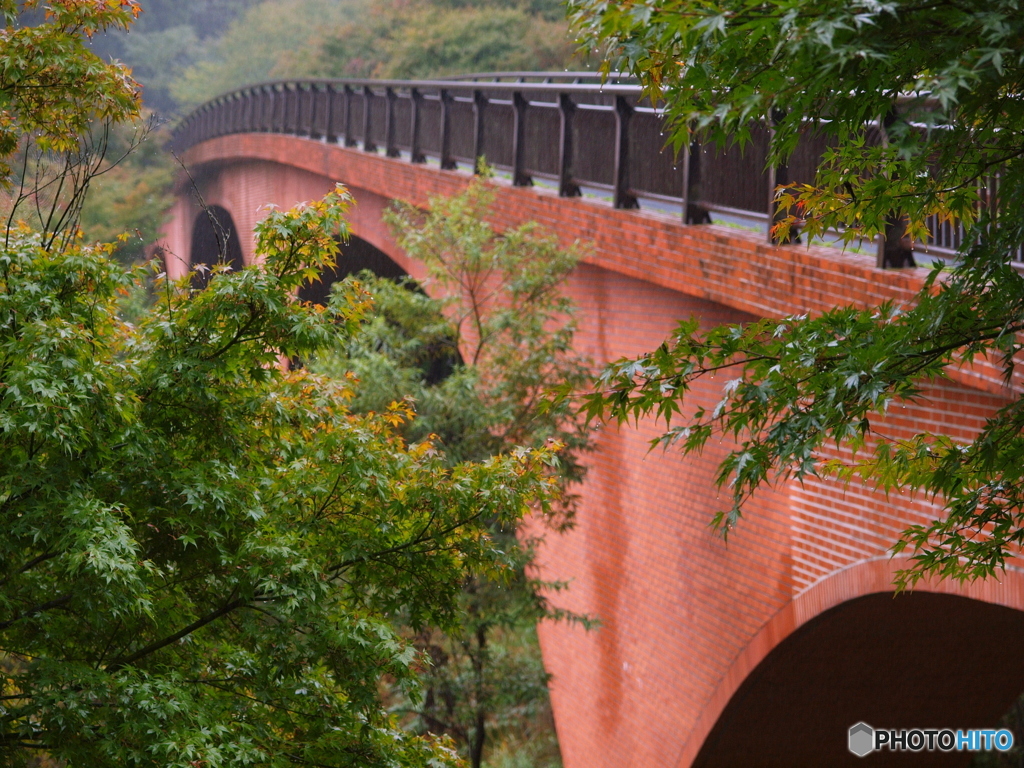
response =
{"points": [[863, 740]]}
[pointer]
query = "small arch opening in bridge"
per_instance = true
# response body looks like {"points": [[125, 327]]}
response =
{"points": [[919, 660], [355, 256], [214, 241]]}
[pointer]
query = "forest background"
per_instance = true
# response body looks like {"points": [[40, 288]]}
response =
{"points": [[187, 51]]}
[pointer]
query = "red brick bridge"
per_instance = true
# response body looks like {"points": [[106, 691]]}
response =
{"points": [[759, 652]]}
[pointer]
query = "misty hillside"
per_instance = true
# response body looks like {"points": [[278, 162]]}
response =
{"points": [[187, 51]]}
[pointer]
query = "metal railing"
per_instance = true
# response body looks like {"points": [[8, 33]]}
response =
{"points": [[569, 130], [566, 76]]}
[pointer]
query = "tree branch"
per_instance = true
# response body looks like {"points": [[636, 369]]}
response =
{"points": [[224, 610], [36, 609]]}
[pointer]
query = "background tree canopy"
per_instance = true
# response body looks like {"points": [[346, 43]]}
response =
{"points": [[168, 37], [187, 51], [941, 83]]}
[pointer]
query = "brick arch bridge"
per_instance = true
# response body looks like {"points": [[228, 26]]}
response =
{"points": [[761, 652]]}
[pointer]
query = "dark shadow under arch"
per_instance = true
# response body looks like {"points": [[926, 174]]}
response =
{"points": [[355, 256], [214, 241], [916, 660], [438, 360]]}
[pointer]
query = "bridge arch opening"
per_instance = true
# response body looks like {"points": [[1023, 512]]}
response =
{"points": [[438, 360], [355, 256], [918, 660], [214, 241]]}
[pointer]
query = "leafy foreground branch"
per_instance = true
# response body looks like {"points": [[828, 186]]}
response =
{"points": [[202, 552]]}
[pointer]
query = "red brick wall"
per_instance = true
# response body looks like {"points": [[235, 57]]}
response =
{"points": [[684, 616]]}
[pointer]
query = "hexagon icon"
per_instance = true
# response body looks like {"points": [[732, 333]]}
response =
{"points": [[862, 739]]}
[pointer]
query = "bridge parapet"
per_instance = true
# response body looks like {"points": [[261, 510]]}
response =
{"points": [[570, 130]]}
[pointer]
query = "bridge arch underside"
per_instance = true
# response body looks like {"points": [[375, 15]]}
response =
{"points": [[354, 256], [240, 191], [214, 241], [920, 660]]}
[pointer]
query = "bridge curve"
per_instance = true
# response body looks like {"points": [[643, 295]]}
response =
{"points": [[689, 624]]}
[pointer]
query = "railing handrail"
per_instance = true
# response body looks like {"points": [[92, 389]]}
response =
{"points": [[621, 89], [549, 75]]}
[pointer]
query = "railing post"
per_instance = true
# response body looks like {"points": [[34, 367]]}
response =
{"points": [[567, 186], [519, 176], [623, 198], [329, 135], [300, 93], [447, 163], [415, 153], [274, 97], [895, 250], [479, 107], [230, 108], [349, 94], [266, 109], [247, 120], [218, 117], [280, 97], [368, 145], [313, 99], [693, 213], [390, 150]]}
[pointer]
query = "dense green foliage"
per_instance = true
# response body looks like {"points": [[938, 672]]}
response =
{"points": [[204, 554], [379, 38], [52, 87], [942, 80], [67, 156], [505, 312], [256, 47], [434, 39], [57, 103]]}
